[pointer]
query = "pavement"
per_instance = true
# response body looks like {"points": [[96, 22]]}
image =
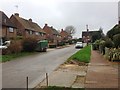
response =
{"points": [[67, 75], [101, 73]]}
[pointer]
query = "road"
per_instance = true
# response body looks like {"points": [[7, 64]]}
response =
{"points": [[35, 66]]}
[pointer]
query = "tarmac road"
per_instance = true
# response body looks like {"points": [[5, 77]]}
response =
{"points": [[14, 72]]}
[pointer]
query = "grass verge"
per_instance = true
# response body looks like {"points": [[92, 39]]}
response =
{"points": [[4, 58], [82, 55]]}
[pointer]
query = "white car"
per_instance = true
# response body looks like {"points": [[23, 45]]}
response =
{"points": [[79, 45], [4, 45]]}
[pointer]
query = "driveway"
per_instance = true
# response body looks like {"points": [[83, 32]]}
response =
{"points": [[14, 72]]}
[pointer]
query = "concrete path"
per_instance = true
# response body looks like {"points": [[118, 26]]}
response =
{"points": [[67, 75], [101, 73]]}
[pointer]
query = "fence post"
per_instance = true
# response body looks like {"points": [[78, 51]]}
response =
{"points": [[47, 79], [27, 82]]}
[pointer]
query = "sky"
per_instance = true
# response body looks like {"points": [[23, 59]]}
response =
{"points": [[62, 13]]}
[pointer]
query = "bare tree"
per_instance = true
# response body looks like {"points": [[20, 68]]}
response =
{"points": [[70, 30]]}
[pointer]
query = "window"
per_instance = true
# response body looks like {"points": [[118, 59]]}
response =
{"points": [[31, 33], [11, 29], [41, 34], [37, 33]]}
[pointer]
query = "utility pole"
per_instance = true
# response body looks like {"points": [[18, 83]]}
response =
{"points": [[87, 34]]}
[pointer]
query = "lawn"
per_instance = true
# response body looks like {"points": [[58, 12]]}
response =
{"points": [[82, 55], [4, 58]]}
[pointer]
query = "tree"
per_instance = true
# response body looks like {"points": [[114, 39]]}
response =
{"points": [[101, 31], [95, 36], [70, 30]]}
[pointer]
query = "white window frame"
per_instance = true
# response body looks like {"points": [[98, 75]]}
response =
{"points": [[37, 33], [10, 29]]}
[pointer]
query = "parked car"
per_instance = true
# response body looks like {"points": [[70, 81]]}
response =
{"points": [[79, 45], [4, 45]]}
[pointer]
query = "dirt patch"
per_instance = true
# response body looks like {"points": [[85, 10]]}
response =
{"points": [[67, 75], [75, 62], [79, 82]]}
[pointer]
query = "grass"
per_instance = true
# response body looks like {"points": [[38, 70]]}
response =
{"points": [[82, 55], [4, 58]]}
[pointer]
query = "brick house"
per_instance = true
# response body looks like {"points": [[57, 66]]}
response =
{"points": [[65, 37], [27, 28], [7, 28], [86, 35], [52, 35]]}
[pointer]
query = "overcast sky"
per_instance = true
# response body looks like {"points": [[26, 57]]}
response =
{"points": [[61, 13]]}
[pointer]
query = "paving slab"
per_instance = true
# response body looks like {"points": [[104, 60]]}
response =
{"points": [[101, 73], [67, 76]]}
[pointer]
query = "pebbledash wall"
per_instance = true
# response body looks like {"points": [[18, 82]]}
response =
{"points": [[0, 53]]}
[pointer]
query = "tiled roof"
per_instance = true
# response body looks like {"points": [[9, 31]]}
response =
{"points": [[55, 31], [51, 30], [4, 20], [29, 24]]}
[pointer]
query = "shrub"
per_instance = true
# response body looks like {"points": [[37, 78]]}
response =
{"points": [[116, 40], [29, 44], [61, 43], [102, 46], [52, 46], [114, 54], [109, 43], [15, 47], [96, 45]]}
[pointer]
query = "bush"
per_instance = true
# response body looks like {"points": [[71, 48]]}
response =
{"points": [[52, 46], [61, 43], [102, 46], [114, 54], [109, 43], [115, 30], [96, 45], [116, 40], [29, 44], [14, 48]]}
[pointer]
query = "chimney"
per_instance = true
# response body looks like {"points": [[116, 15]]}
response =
{"points": [[45, 24], [17, 14], [30, 20]]}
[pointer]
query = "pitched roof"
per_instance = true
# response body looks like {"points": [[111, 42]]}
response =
{"points": [[85, 33], [64, 33], [5, 20], [50, 29], [55, 31], [27, 24]]}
